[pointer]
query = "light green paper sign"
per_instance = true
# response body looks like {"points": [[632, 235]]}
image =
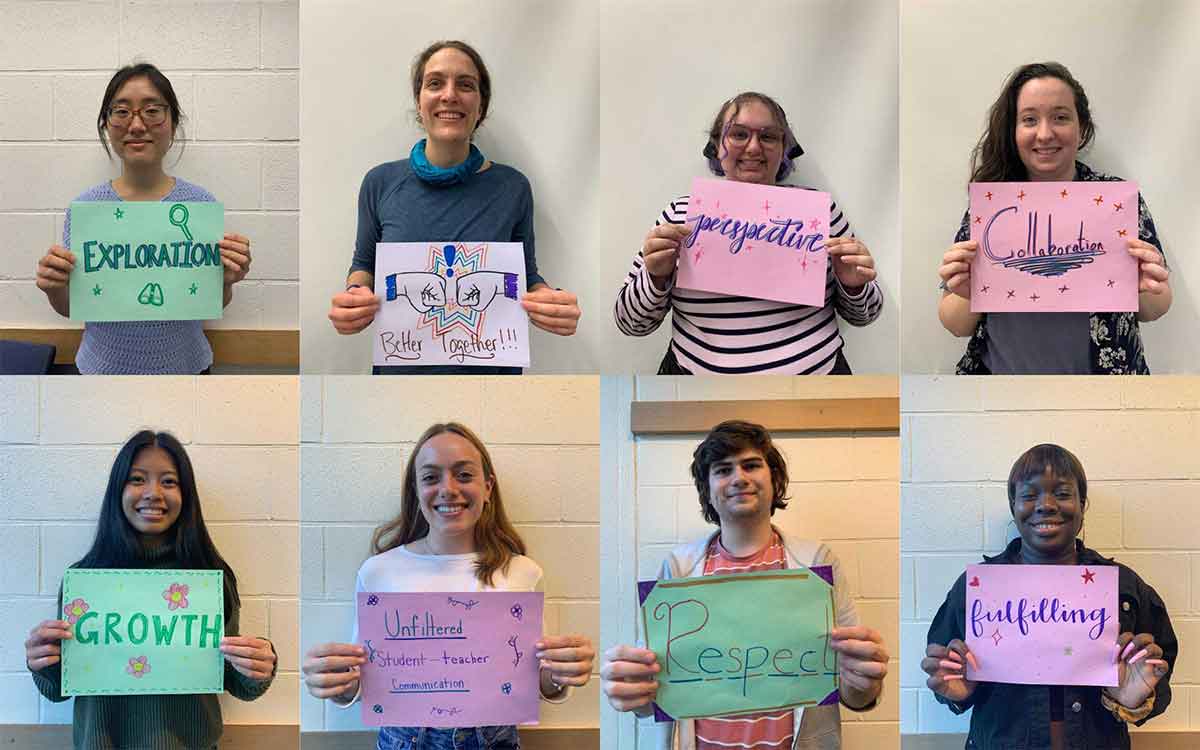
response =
{"points": [[141, 632], [739, 643], [146, 260]]}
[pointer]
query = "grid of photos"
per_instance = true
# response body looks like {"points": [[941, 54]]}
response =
{"points": [[738, 356]]}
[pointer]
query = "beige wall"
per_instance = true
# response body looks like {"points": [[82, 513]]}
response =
{"points": [[1136, 438], [357, 434], [844, 492], [58, 438]]}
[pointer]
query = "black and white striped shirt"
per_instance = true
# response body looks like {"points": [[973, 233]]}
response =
{"points": [[719, 334]]}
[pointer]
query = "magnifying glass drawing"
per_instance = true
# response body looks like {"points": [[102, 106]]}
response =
{"points": [[178, 216]]}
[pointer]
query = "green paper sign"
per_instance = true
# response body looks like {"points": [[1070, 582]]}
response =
{"points": [[139, 632], [734, 644], [146, 260]]}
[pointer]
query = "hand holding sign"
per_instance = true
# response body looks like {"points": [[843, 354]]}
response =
{"points": [[1152, 270], [852, 262], [660, 251], [235, 257], [862, 661], [43, 648], [331, 670], [1140, 667], [945, 666], [353, 310], [566, 659], [553, 310], [54, 268], [629, 677], [251, 656], [956, 268]]}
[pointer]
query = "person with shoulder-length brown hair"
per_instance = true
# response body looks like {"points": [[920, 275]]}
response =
{"points": [[1036, 128], [447, 190], [749, 140], [451, 535]]}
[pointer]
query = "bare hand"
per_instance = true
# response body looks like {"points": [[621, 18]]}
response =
{"points": [[945, 666], [629, 677], [353, 310], [1140, 667], [852, 262], [54, 268], [235, 257], [1152, 270], [864, 658], [660, 251], [567, 659], [552, 310], [956, 268], [43, 648], [331, 670], [251, 656]]}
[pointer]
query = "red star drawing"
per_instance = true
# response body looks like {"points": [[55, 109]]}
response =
{"points": [[985, 288], [699, 254], [989, 195], [1021, 195], [766, 205], [997, 637], [749, 248], [1063, 288], [1087, 576], [1063, 193], [1098, 199], [814, 223], [1011, 293], [1111, 283], [698, 201], [978, 219], [1034, 297], [804, 262], [1118, 206], [1120, 232]]}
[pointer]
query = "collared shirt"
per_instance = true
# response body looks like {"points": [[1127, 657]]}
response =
{"points": [[1017, 717]]}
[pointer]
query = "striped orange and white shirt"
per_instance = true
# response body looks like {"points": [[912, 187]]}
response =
{"points": [[765, 730]]}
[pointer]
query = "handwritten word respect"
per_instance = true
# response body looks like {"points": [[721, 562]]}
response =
{"points": [[1025, 612], [773, 231]]}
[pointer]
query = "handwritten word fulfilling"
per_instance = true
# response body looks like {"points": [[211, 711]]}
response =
{"points": [[1025, 612]]}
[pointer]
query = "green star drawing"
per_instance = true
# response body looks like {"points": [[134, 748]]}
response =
{"points": [[192, 289], [119, 214], [96, 290]]}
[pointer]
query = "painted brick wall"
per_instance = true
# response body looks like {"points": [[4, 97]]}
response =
{"points": [[1136, 439], [844, 491], [357, 434], [235, 68], [241, 434]]}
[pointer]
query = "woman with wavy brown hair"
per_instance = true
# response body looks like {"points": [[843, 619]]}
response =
{"points": [[1036, 128], [452, 535]]}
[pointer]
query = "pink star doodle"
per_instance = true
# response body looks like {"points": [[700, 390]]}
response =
{"points": [[1118, 206], [997, 637], [1120, 232], [1063, 193], [699, 254], [814, 223], [766, 206], [989, 195], [978, 219], [1087, 576], [1021, 195], [1098, 199]]}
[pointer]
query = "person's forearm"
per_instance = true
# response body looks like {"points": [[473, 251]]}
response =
{"points": [[955, 313], [858, 698], [1153, 306], [60, 300]]}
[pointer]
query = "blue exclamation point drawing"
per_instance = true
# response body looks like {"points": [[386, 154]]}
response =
{"points": [[448, 251]]}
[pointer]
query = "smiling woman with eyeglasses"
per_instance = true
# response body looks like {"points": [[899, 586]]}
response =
{"points": [[138, 120], [749, 141]]}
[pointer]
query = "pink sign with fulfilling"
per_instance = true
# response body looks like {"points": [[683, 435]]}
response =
{"points": [[756, 241], [449, 659], [1043, 624], [1054, 246]]}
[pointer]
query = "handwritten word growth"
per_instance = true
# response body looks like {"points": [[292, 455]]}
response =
{"points": [[139, 628]]}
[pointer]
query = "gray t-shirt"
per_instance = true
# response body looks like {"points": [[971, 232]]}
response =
{"points": [[1038, 344]]}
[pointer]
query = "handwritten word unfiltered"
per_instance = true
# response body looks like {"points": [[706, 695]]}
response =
{"points": [[781, 232], [1027, 612]]}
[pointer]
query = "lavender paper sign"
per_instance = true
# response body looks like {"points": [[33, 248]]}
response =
{"points": [[1043, 624], [450, 659], [756, 241], [1054, 246]]}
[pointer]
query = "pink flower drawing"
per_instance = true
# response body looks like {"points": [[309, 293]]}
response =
{"points": [[75, 610], [139, 667], [176, 596]]}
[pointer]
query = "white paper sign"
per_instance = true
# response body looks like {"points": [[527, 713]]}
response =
{"points": [[451, 303]]}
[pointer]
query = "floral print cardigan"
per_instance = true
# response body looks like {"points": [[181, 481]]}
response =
{"points": [[1116, 346]]}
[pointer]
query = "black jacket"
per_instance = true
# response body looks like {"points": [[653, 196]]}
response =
{"points": [[1017, 717]]}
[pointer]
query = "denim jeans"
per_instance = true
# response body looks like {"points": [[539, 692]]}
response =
{"points": [[426, 738]]}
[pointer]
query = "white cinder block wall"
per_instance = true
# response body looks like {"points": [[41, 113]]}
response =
{"points": [[356, 436], [58, 439], [844, 491], [234, 66], [1136, 438]]}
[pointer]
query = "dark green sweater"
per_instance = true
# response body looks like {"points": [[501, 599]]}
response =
{"points": [[151, 722]]}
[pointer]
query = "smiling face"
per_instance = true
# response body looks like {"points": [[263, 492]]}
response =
{"points": [[135, 142], [451, 485], [449, 104], [1048, 511], [740, 488], [1047, 129], [752, 146], [152, 499]]}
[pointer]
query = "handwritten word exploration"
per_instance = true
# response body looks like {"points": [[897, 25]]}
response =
{"points": [[451, 303], [450, 659], [1043, 624], [146, 260], [719, 656], [1054, 246], [756, 241], [143, 631]]}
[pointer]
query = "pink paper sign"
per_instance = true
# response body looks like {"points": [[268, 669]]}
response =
{"points": [[450, 660], [1043, 624], [756, 241], [1054, 246]]}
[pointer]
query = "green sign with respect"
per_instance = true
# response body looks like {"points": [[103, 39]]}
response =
{"points": [[141, 632], [740, 643], [146, 260]]}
